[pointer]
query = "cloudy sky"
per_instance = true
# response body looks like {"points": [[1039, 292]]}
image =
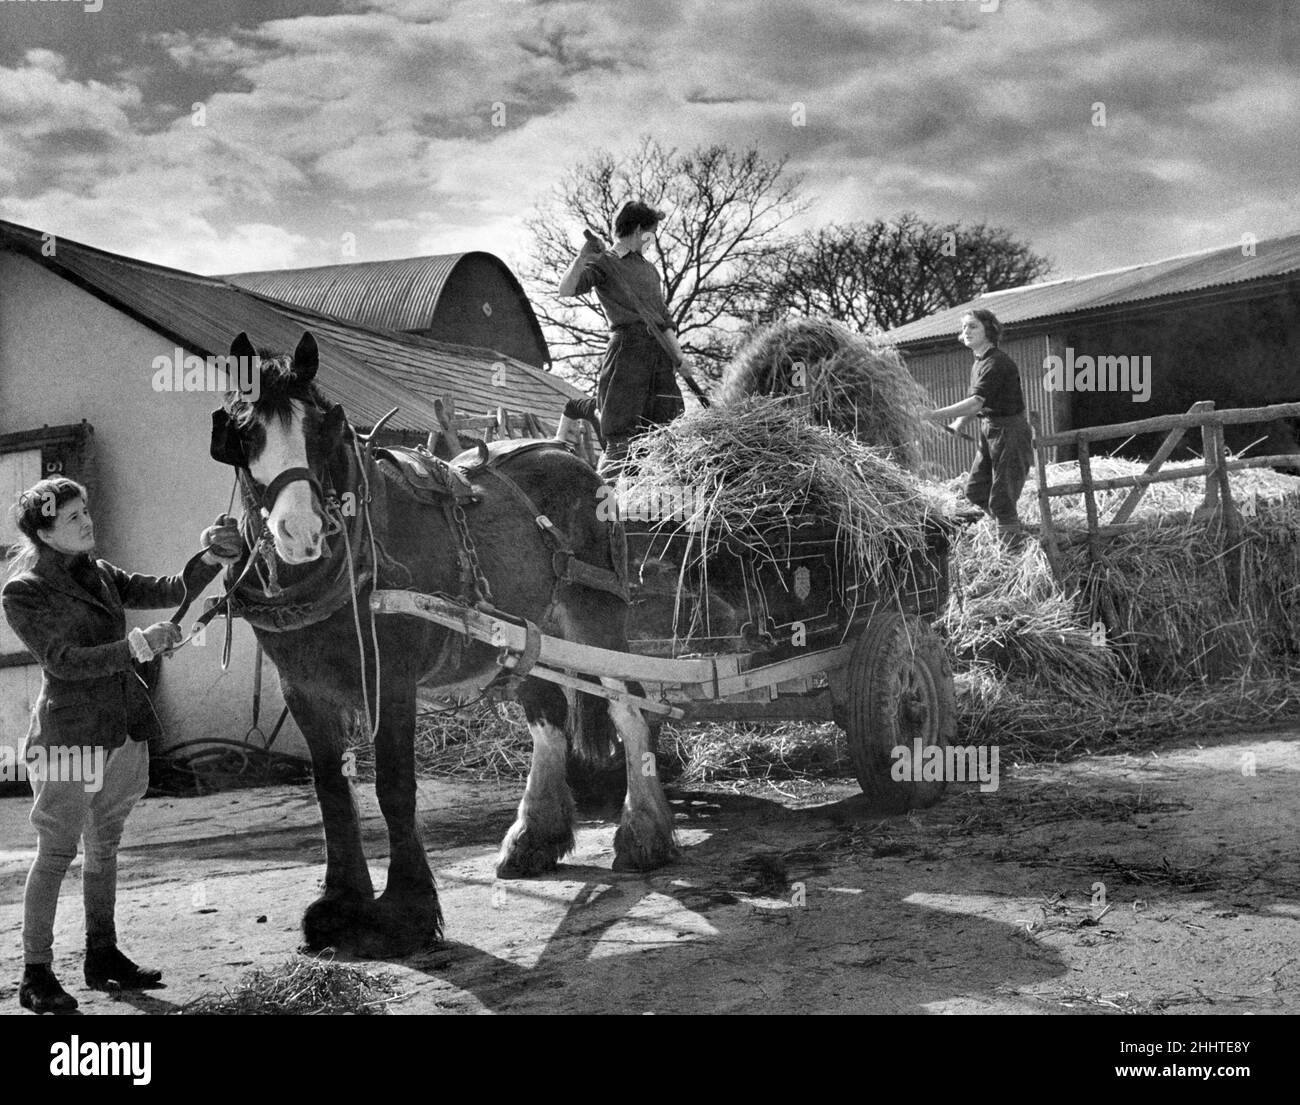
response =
{"points": [[374, 118]]}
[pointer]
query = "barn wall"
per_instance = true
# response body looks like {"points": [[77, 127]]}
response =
{"points": [[945, 373], [1244, 354], [460, 316], [66, 356]]}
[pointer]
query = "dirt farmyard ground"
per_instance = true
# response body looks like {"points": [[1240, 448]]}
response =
{"points": [[1165, 882]]}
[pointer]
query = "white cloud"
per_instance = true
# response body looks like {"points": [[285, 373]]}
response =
{"points": [[378, 122]]}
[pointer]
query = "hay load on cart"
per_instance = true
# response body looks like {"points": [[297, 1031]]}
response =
{"points": [[1168, 627], [755, 533], [853, 382]]}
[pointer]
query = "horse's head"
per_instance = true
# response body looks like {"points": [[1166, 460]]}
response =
{"points": [[284, 438]]}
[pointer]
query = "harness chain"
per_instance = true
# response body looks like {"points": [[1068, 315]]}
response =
{"points": [[480, 581], [283, 614]]}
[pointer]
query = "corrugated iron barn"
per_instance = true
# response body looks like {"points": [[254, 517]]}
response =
{"points": [[1222, 324], [463, 298], [81, 334]]}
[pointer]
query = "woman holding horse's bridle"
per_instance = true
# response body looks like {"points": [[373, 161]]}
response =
{"points": [[87, 759]]}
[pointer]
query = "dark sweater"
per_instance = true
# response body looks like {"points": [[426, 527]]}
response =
{"points": [[639, 275]]}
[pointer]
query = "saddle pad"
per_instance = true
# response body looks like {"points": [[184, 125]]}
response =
{"points": [[426, 476]]}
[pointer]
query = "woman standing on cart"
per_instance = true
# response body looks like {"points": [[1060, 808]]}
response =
{"points": [[67, 608], [637, 388]]}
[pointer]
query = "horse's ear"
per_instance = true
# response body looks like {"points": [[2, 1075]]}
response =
{"points": [[305, 359], [242, 347]]}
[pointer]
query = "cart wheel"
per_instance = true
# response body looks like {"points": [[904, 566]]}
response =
{"points": [[899, 689]]}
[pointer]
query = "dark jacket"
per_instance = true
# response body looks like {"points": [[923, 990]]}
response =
{"points": [[90, 693]]}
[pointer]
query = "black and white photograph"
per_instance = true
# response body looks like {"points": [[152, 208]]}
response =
{"points": [[650, 507]]}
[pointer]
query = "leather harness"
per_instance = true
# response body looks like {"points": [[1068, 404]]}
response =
{"points": [[451, 487]]}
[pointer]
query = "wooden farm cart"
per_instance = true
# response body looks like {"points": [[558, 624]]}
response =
{"points": [[785, 636]]}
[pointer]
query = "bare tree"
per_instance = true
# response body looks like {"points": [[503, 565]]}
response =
{"points": [[725, 210], [884, 274]]}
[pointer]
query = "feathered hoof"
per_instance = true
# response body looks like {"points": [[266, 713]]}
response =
{"points": [[390, 927], [532, 848], [643, 843], [402, 924], [334, 920]]}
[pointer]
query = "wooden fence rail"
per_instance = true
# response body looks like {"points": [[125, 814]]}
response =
{"points": [[1215, 467]]}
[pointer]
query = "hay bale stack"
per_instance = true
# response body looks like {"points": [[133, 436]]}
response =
{"points": [[852, 382], [1168, 581], [1168, 503], [744, 471], [1009, 615]]}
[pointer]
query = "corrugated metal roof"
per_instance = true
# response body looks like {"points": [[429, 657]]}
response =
{"points": [[367, 371], [436, 368], [390, 295], [1173, 276]]}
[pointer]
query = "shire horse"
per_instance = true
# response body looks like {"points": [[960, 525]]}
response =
{"points": [[300, 464]]}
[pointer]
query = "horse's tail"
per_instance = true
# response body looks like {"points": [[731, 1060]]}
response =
{"points": [[596, 768]]}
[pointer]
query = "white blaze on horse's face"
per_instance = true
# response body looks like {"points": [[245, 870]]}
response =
{"points": [[295, 522]]}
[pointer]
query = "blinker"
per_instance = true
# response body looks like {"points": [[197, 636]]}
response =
{"points": [[226, 446]]}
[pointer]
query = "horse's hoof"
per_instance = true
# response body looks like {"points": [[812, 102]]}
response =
{"points": [[390, 927], [529, 849], [334, 921], [402, 925], [643, 843]]}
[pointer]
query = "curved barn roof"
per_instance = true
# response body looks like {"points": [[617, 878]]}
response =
{"points": [[388, 295], [369, 370]]}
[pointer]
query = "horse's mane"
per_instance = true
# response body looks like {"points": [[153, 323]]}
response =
{"points": [[277, 392], [278, 389]]}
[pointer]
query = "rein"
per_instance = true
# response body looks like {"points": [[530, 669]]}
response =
{"points": [[275, 608], [203, 619]]}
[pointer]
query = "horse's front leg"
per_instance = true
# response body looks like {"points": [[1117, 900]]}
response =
{"points": [[332, 919], [543, 828], [407, 915], [645, 838]]}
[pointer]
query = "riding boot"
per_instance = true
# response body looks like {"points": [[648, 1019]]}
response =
{"points": [[108, 969], [41, 993]]}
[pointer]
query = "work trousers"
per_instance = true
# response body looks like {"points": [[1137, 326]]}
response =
{"points": [[64, 812], [1001, 467], [636, 391]]}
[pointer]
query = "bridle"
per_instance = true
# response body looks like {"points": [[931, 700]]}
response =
{"points": [[228, 447], [281, 481]]}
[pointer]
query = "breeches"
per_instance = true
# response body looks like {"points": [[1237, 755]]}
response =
{"points": [[64, 812]]}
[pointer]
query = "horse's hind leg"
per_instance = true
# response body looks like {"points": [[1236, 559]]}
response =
{"points": [[645, 832], [543, 828]]}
